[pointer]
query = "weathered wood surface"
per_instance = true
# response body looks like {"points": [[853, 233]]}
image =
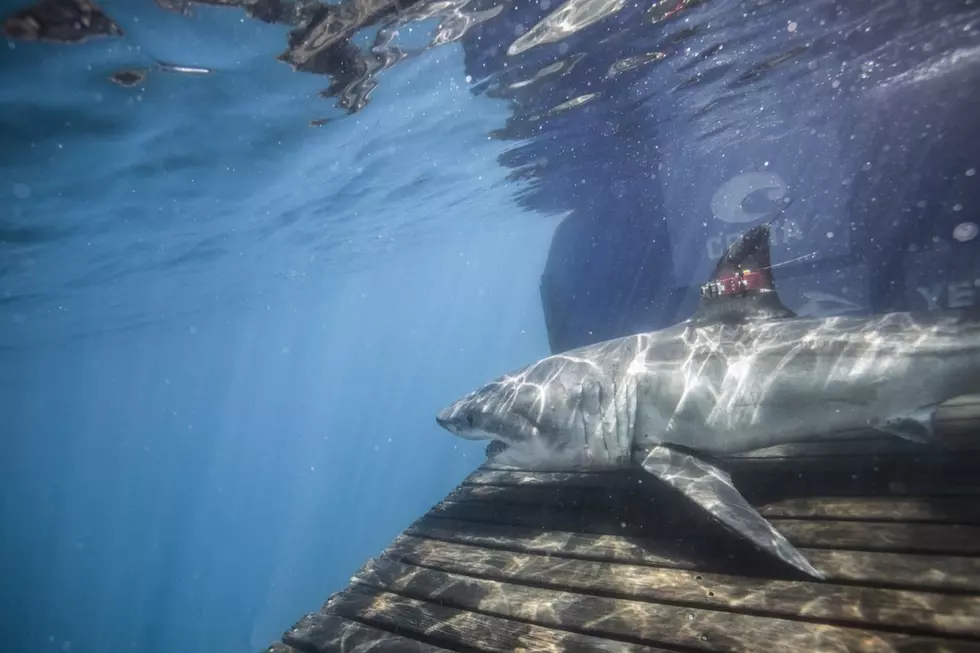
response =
{"points": [[431, 621], [331, 632], [669, 625], [925, 611], [943, 509], [948, 573], [562, 561], [862, 536]]}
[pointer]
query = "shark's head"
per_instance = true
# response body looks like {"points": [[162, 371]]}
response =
{"points": [[499, 411], [553, 412]]}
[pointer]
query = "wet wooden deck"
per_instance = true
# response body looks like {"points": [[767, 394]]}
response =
{"points": [[517, 561]]}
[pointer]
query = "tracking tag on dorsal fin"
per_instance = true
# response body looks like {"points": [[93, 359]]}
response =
{"points": [[741, 288]]}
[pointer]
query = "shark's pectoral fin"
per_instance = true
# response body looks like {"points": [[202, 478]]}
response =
{"points": [[917, 425], [712, 489]]}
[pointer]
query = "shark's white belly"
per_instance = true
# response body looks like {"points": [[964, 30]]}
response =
{"points": [[530, 458]]}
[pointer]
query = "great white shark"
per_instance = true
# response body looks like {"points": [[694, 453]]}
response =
{"points": [[744, 372]]}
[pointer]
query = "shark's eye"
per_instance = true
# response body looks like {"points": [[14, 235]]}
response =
{"points": [[469, 419]]}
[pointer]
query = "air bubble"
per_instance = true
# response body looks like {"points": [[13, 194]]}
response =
{"points": [[965, 231]]}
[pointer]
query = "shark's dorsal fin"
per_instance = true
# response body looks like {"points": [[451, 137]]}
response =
{"points": [[741, 288]]}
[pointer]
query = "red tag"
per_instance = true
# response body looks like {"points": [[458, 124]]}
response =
{"points": [[737, 284]]}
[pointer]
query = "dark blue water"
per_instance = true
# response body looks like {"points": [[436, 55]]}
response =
{"points": [[225, 331]]}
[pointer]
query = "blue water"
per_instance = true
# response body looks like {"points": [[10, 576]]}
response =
{"points": [[225, 332], [223, 351]]}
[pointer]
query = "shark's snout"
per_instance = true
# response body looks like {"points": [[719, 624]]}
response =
{"points": [[442, 419], [459, 419]]}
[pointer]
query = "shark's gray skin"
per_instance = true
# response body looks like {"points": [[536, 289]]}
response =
{"points": [[743, 373]]}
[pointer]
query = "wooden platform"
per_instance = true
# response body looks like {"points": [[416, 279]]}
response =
{"points": [[517, 561]]}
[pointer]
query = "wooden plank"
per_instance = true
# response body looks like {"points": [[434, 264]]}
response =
{"points": [[955, 510], [879, 447], [908, 611], [950, 510], [585, 546], [534, 495], [902, 570], [465, 631], [927, 572], [956, 539], [647, 623], [919, 469], [769, 479], [328, 633]]}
